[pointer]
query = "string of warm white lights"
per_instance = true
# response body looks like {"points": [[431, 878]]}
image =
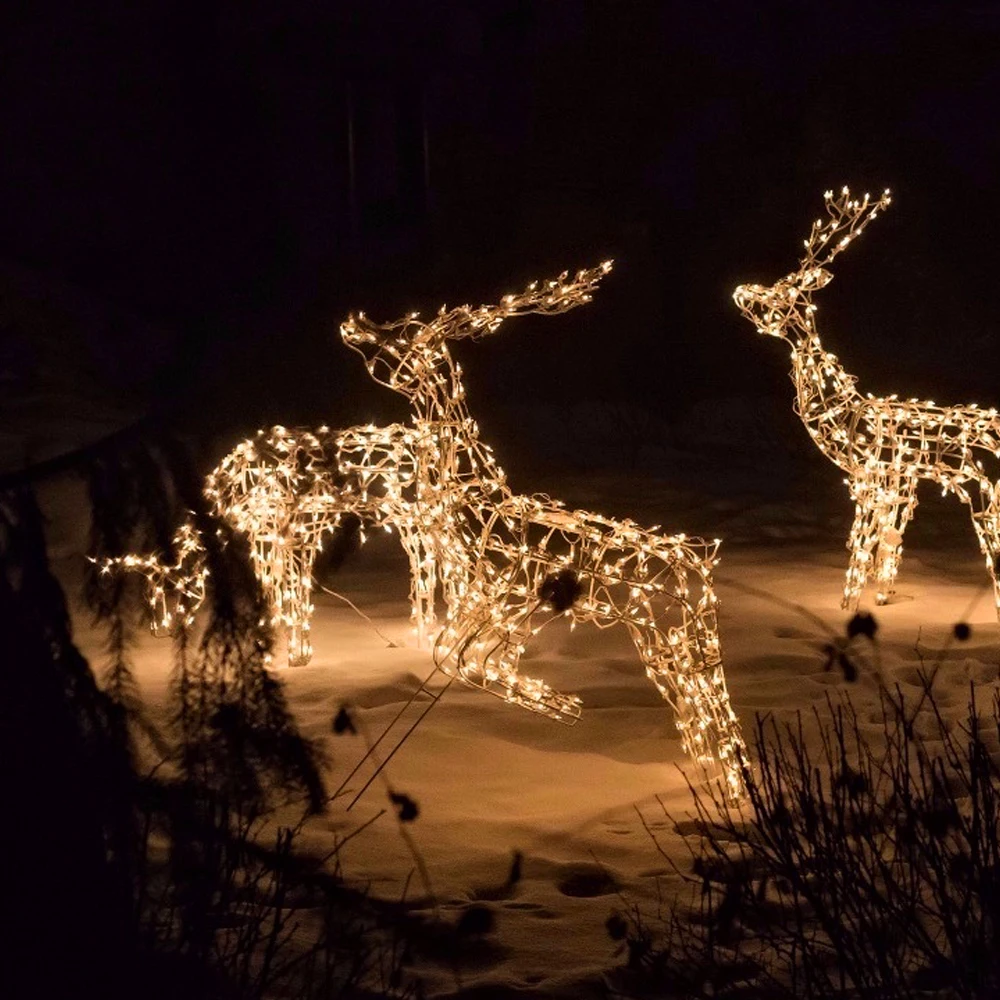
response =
{"points": [[508, 564], [885, 445]]}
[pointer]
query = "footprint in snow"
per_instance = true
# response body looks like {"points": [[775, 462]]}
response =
{"points": [[587, 881]]}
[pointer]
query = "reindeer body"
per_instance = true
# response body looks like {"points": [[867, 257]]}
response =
{"points": [[535, 560], [885, 445]]}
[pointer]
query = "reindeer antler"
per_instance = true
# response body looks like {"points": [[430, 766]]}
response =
{"points": [[360, 327], [555, 295], [550, 297], [847, 219]]}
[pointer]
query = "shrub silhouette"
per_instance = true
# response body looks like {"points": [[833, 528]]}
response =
{"points": [[115, 875], [865, 864]]}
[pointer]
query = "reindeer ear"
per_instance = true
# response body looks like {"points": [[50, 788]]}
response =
{"points": [[815, 277]]}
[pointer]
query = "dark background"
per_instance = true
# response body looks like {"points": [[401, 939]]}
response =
{"points": [[192, 196]]}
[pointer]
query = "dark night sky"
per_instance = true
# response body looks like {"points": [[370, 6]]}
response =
{"points": [[183, 169]]}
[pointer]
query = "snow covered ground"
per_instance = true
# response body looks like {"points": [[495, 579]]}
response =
{"points": [[491, 780]]}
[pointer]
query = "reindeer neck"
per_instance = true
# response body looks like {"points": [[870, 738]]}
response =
{"points": [[452, 453], [826, 396]]}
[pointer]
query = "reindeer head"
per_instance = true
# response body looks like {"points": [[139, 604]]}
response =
{"points": [[785, 309], [412, 357], [402, 356]]}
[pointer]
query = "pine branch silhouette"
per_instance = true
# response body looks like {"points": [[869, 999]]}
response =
{"points": [[68, 738]]}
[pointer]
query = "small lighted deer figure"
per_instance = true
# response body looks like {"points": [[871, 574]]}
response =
{"points": [[175, 588], [885, 445], [509, 563]]}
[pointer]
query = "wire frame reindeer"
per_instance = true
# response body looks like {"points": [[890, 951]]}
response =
{"points": [[508, 564], [886, 445], [285, 490]]}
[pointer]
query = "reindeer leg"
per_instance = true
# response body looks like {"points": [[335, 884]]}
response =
{"points": [[427, 583], [298, 606], [187, 594], [283, 564], [896, 505], [269, 568], [423, 584], [484, 651], [164, 611], [864, 538], [986, 521], [685, 664]]}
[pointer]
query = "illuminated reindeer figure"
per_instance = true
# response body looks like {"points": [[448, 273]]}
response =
{"points": [[885, 445], [285, 490], [502, 558]]}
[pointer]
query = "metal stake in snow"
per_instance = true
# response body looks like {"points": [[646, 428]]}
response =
{"points": [[393, 739], [885, 445]]}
